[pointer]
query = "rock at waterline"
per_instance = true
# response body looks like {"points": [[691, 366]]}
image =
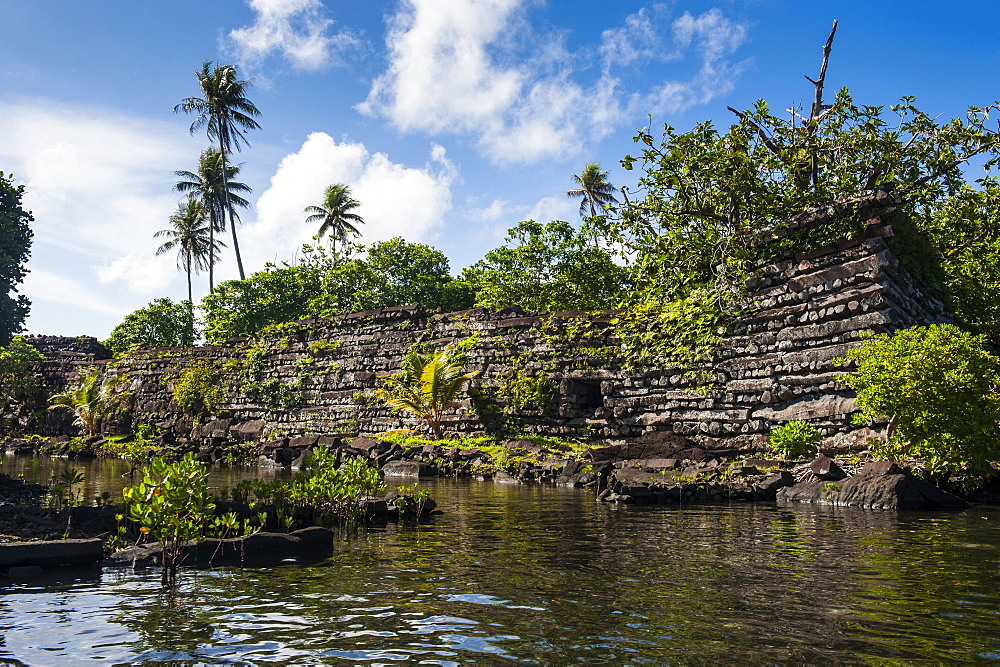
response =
{"points": [[308, 545], [51, 553], [879, 485]]}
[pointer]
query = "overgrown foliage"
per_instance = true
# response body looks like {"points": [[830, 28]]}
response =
{"points": [[390, 273], [550, 267], [17, 379], [938, 387], [199, 390], [161, 323], [716, 204], [794, 439], [15, 248], [427, 385], [172, 505], [683, 332], [91, 399], [326, 492]]}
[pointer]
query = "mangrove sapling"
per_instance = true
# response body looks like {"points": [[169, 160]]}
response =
{"points": [[325, 492], [63, 486], [411, 499], [172, 505]]}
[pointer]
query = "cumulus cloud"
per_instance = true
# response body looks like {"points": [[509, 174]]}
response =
{"points": [[552, 208], [396, 200], [298, 30], [496, 211], [99, 185], [638, 39], [474, 67]]}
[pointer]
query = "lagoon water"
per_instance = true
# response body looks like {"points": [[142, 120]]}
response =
{"points": [[513, 573]]}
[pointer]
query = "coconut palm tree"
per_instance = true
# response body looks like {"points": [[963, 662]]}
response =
{"points": [[226, 113], [191, 236], [594, 189], [334, 214], [211, 188], [91, 401], [427, 386]]}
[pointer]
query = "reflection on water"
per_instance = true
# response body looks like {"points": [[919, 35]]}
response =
{"points": [[535, 574], [111, 475]]}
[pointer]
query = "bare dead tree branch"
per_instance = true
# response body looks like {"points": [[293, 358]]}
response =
{"points": [[817, 106], [818, 111]]}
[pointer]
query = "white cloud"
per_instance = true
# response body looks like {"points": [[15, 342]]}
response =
{"points": [[493, 213], [554, 207], [99, 186], [395, 200], [475, 68], [296, 29], [637, 40], [46, 286]]}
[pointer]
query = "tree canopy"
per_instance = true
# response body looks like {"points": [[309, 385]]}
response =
{"points": [[713, 204], [190, 236], [595, 191], [15, 248], [218, 194], [335, 215], [551, 267], [391, 273], [161, 323]]}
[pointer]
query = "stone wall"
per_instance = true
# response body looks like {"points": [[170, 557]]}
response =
{"points": [[316, 378]]}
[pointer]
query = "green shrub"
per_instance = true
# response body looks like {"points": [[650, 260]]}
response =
{"points": [[171, 505], [199, 389], [937, 386], [795, 439]]}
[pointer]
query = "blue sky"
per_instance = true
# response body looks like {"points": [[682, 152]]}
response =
{"points": [[451, 120]]}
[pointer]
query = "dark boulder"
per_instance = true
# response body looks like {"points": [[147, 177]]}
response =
{"points": [[53, 553], [881, 485], [827, 469], [309, 545], [770, 486], [581, 473], [410, 469]]}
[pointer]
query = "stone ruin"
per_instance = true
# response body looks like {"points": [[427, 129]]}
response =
{"points": [[314, 380]]}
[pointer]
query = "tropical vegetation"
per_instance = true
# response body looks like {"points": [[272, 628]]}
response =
{"points": [[326, 282], [226, 113], [938, 390], [595, 191], [218, 192], [91, 399], [171, 504], [550, 267], [18, 380], [427, 385], [794, 439], [191, 236], [15, 248], [334, 215], [160, 323]]}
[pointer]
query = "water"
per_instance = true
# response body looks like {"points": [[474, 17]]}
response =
{"points": [[541, 575]]}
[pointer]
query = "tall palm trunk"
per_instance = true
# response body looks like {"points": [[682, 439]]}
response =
{"points": [[211, 260], [190, 299], [229, 209]]}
